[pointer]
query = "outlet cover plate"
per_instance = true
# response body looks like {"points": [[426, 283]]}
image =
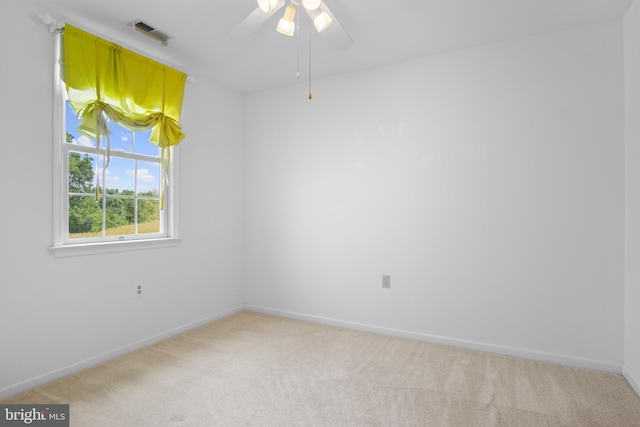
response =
{"points": [[138, 289]]}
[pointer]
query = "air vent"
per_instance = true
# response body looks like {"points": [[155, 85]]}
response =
{"points": [[150, 31]]}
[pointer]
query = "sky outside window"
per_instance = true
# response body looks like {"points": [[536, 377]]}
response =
{"points": [[121, 173]]}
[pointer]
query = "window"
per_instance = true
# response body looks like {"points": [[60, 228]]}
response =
{"points": [[115, 140], [117, 202]]}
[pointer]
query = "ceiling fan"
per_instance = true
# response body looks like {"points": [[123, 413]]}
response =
{"points": [[318, 12]]}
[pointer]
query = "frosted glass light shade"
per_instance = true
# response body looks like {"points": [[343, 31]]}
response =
{"points": [[321, 20], [311, 4], [267, 5], [286, 25]]}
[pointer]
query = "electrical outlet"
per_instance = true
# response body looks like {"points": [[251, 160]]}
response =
{"points": [[386, 281], [138, 289]]}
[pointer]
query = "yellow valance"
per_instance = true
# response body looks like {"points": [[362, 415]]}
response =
{"points": [[104, 80], [140, 93]]}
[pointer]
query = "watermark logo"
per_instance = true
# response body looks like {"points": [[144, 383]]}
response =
{"points": [[34, 415]]}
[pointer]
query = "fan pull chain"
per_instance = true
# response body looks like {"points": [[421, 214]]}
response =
{"points": [[310, 22], [297, 47]]}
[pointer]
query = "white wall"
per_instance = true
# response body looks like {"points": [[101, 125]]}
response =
{"points": [[489, 183], [632, 127], [57, 315]]}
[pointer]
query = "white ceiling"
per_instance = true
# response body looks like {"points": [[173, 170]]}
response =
{"points": [[383, 32]]}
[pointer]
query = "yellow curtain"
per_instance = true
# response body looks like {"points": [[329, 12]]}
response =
{"points": [[104, 80]]}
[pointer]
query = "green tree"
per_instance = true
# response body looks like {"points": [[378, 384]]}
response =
{"points": [[116, 212], [147, 210], [84, 213], [80, 173]]}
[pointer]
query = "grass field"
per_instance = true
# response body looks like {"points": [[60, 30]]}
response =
{"points": [[143, 228]]}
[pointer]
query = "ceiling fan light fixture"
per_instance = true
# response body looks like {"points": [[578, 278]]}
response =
{"points": [[286, 25], [311, 4], [267, 5], [321, 19]]}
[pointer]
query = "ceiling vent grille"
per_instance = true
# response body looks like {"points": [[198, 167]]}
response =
{"points": [[151, 32]]}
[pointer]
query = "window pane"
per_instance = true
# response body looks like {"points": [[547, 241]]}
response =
{"points": [[119, 216], [121, 139], [148, 179], [143, 146], [148, 216], [120, 176], [82, 171], [85, 217], [73, 136]]}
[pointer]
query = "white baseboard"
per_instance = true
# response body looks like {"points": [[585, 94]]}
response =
{"points": [[633, 381], [471, 345], [489, 348], [92, 361]]}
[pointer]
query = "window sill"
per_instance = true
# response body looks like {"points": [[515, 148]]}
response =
{"points": [[67, 251]]}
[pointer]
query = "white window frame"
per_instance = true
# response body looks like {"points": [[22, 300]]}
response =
{"points": [[63, 246]]}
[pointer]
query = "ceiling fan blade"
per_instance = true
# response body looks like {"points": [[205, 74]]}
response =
{"points": [[335, 34], [254, 20]]}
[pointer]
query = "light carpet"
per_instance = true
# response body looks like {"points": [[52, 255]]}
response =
{"points": [[252, 369]]}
